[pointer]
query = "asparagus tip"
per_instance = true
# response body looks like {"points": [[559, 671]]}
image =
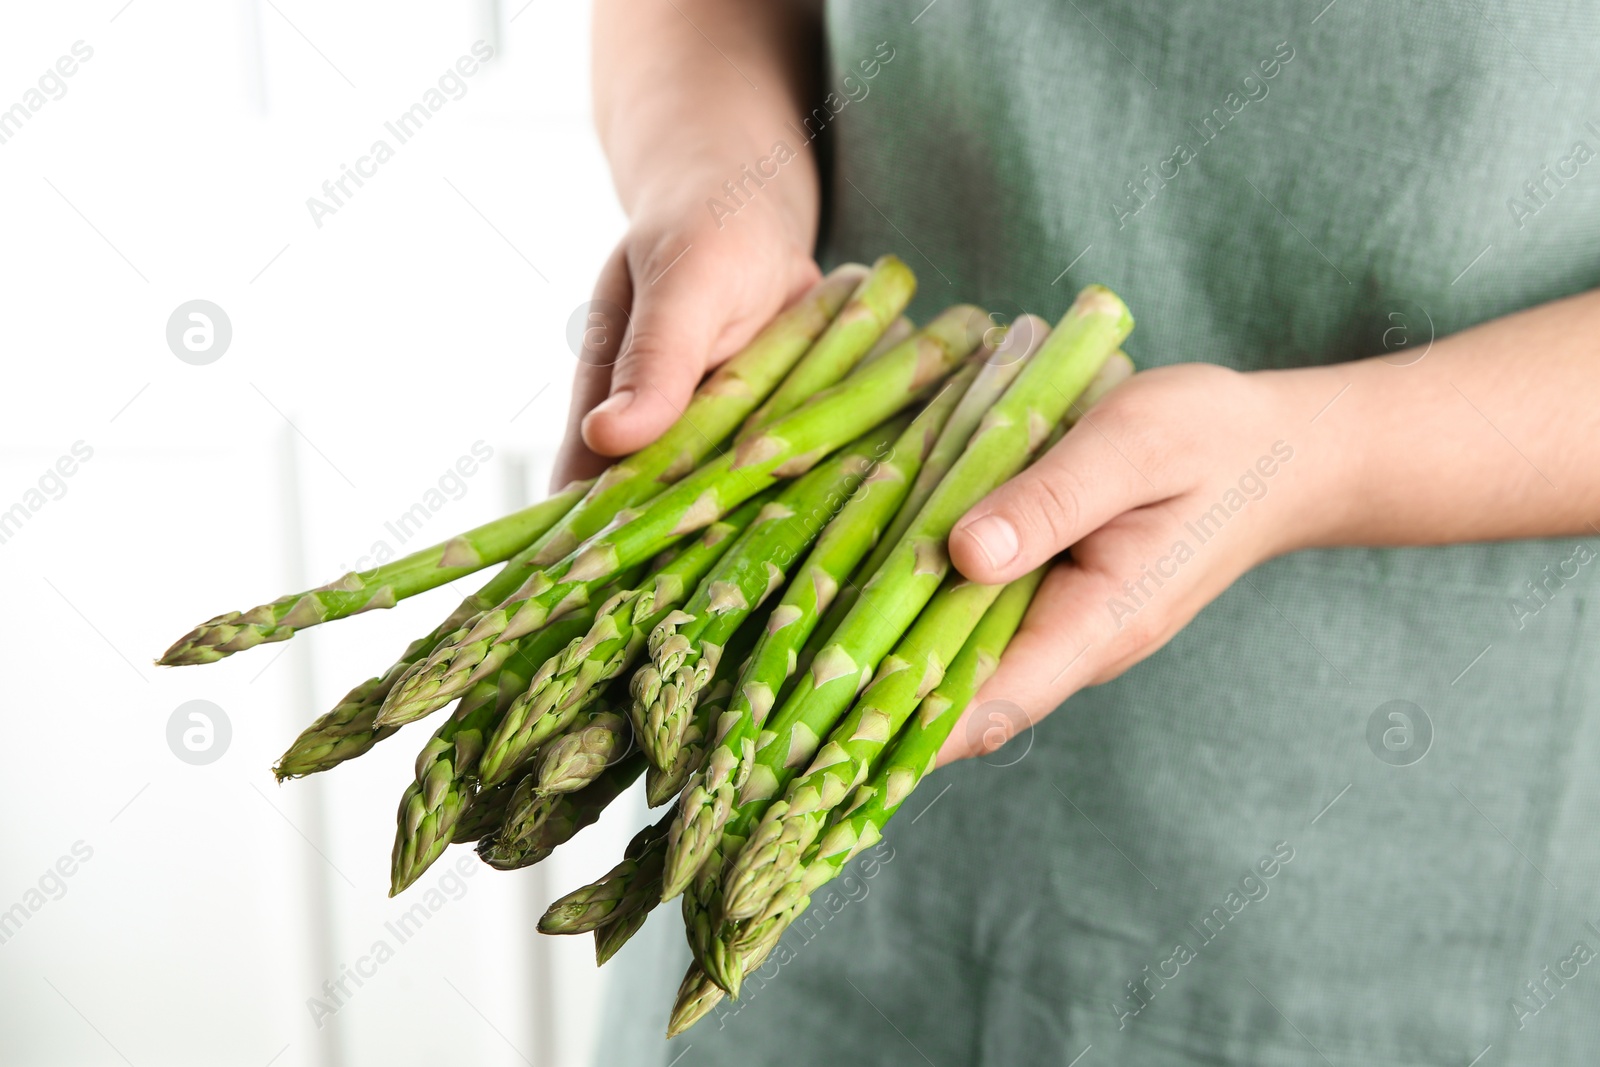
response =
{"points": [[696, 996]]}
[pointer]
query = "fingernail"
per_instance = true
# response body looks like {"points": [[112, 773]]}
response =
{"points": [[996, 538], [616, 403]]}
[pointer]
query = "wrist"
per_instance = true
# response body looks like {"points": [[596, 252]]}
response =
{"points": [[728, 180], [1323, 490]]}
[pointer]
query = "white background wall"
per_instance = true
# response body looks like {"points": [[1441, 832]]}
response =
{"points": [[427, 314]]}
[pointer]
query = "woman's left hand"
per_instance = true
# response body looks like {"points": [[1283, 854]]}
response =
{"points": [[1175, 484]]}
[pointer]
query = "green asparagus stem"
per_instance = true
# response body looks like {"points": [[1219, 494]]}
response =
{"points": [[631, 886], [686, 645], [441, 793], [719, 405], [787, 448], [870, 311], [771, 855], [569, 681], [1117, 369], [382, 587], [535, 825], [711, 795], [999, 370], [859, 824], [898, 331]]}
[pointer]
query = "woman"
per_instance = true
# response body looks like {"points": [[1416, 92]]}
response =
{"points": [[1342, 809]]}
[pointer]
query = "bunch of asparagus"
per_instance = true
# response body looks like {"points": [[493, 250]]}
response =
{"points": [[629, 633]]}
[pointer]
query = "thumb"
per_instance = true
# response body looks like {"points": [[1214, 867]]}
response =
{"points": [[676, 317], [1069, 492]]}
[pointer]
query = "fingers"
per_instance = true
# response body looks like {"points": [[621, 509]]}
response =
{"points": [[591, 380], [1124, 595], [576, 459], [1078, 486], [676, 318]]}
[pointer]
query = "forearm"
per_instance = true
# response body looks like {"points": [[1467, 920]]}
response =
{"points": [[1489, 436], [703, 88]]}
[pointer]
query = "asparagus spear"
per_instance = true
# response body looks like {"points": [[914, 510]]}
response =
{"points": [[1117, 369], [535, 825], [697, 995], [719, 405], [569, 681], [711, 795], [859, 824], [664, 784], [686, 645], [555, 525], [869, 312], [441, 793], [1013, 429], [999, 370], [381, 587], [787, 448], [612, 936], [344, 732], [898, 331], [917, 664], [576, 758], [632, 886], [484, 815]]}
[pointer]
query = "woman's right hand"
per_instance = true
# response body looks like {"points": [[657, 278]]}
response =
{"points": [[683, 291]]}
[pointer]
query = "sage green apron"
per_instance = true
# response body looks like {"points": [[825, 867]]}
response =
{"points": [[1350, 814]]}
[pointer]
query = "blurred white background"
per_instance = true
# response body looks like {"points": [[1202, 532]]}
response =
{"points": [[426, 315]]}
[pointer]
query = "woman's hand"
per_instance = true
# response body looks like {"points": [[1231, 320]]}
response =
{"points": [[690, 295], [1183, 478], [690, 98], [1175, 484]]}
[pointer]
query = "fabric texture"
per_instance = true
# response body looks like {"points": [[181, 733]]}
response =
{"points": [[1407, 740]]}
